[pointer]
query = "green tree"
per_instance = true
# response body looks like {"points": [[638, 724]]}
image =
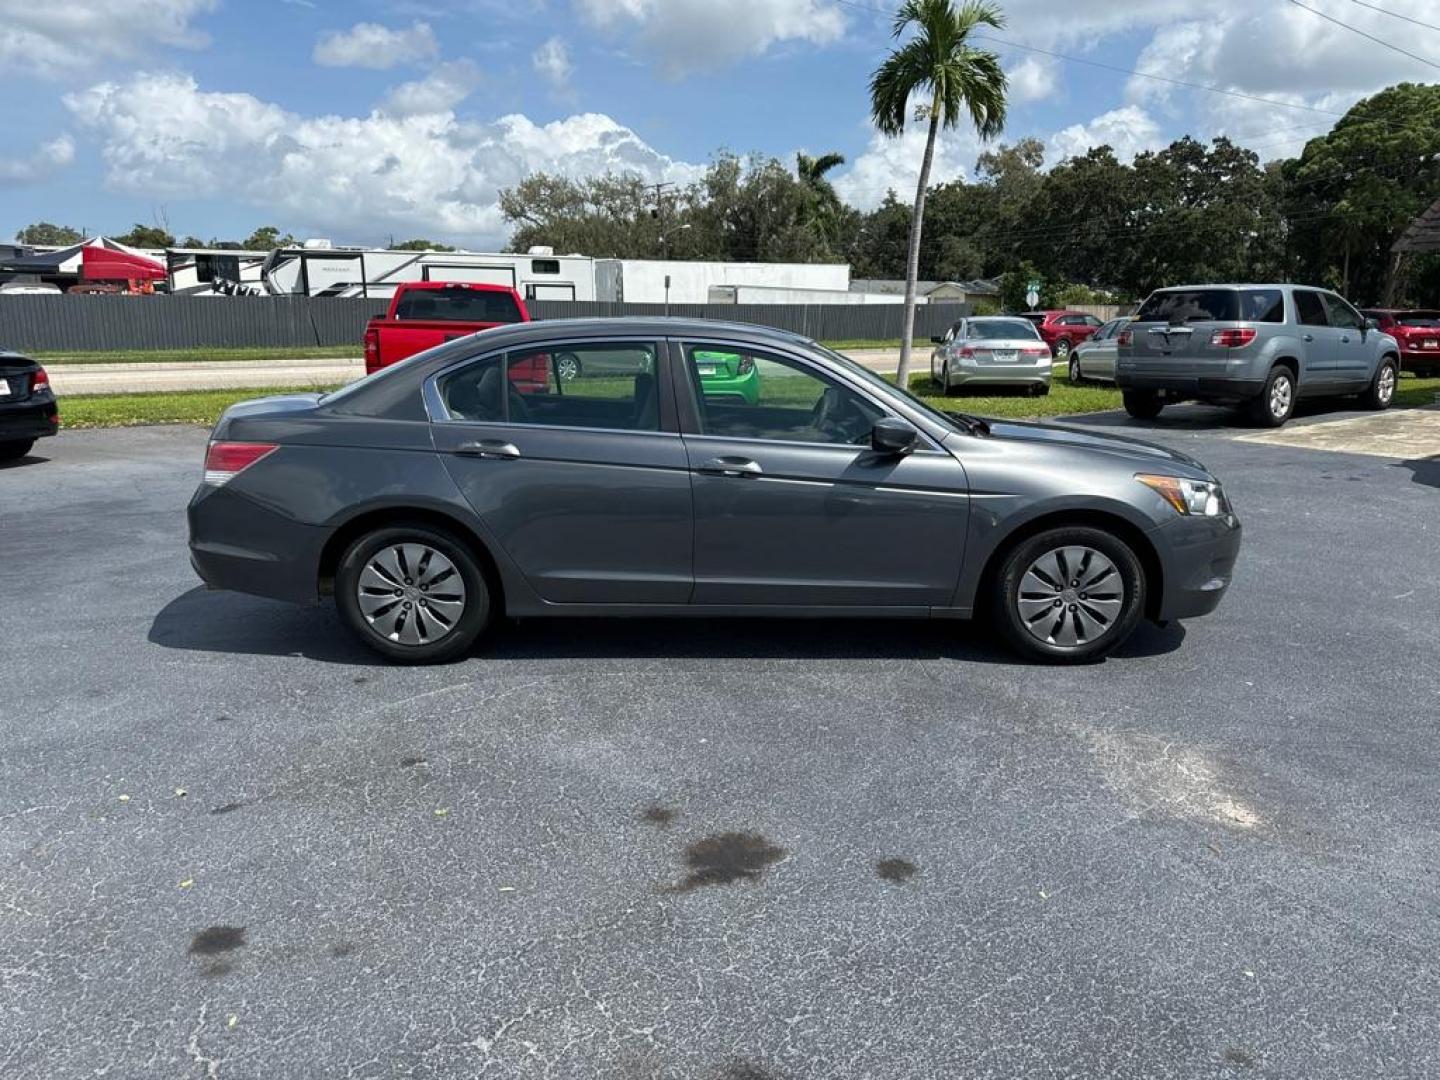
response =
{"points": [[146, 236], [267, 237], [939, 62], [48, 235], [421, 245], [823, 207]]}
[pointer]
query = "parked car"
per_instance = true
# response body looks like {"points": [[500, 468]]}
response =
{"points": [[1094, 360], [1416, 331], [435, 495], [991, 350], [1063, 330], [424, 314], [1261, 347], [27, 405]]}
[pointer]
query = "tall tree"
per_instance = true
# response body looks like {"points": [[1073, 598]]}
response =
{"points": [[421, 245], [146, 236], [266, 237], [959, 80], [824, 211], [49, 235]]}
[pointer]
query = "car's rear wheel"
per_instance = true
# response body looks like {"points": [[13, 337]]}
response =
{"points": [[1382, 388], [1069, 594], [567, 365], [12, 451], [413, 593], [1040, 389], [1062, 349], [1277, 401], [1142, 404]]}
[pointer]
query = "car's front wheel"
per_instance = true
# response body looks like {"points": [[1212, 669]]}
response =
{"points": [[413, 593], [1075, 377], [13, 451], [1069, 594], [1382, 388]]}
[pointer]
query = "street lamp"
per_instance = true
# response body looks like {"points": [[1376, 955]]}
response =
{"points": [[665, 254]]}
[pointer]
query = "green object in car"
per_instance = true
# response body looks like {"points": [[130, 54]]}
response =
{"points": [[727, 376]]}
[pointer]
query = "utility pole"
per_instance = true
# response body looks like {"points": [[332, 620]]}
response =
{"points": [[658, 213]]}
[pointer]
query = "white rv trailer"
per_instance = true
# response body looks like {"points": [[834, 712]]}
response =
{"points": [[316, 270], [215, 271]]}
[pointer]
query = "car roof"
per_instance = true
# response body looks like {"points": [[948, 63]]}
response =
{"points": [[1245, 285], [649, 325]]}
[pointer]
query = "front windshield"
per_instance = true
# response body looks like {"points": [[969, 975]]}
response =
{"points": [[860, 370], [1002, 329]]}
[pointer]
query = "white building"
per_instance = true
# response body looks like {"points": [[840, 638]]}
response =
{"points": [[656, 281]]}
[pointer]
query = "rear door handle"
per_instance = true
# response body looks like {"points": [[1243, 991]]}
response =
{"points": [[730, 466], [489, 448]]}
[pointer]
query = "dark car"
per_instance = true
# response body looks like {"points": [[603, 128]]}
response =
{"points": [[437, 494], [27, 405]]}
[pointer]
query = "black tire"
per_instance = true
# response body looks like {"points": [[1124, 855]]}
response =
{"points": [[1268, 410], [1062, 349], [1142, 404], [1076, 378], [1006, 598], [13, 451], [1040, 390], [1381, 391], [471, 622]]}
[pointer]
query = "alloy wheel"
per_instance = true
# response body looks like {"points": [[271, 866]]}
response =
{"points": [[411, 594], [1070, 596], [567, 365], [1062, 349], [1075, 369], [1282, 393], [1385, 388]]}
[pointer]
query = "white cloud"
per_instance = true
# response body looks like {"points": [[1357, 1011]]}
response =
{"points": [[370, 45], [1127, 130], [700, 35], [895, 164], [440, 91], [552, 61], [56, 39], [47, 159], [354, 177], [1033, 79]]}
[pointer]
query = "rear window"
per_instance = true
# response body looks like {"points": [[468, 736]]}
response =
{"points": [[1418, 318], [458, 304], [1036, 318], [1001, 329], [1191, 305]]}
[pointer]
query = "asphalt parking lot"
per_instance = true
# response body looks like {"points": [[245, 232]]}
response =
{"points": [[236, 846]]}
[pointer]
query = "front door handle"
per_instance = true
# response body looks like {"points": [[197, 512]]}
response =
{"points": [[1345, 339], [1308, 337], [731, 466], [489, 448]]}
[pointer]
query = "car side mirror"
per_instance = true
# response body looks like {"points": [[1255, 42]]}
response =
{"points": [[891, 435], [1372, 324], [937, 339]]}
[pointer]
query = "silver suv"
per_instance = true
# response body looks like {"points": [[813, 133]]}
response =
{"points": [[1261, 347]]}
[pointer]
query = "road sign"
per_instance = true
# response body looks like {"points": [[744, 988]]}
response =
{"points": [[1032, 297]]}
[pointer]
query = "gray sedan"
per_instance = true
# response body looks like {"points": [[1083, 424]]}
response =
{"points": [[441, 493], [992, 350], [1094, 360]]}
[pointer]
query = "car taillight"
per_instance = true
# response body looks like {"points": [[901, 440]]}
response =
{"points": [[39, 381], [372, 351], [1125, 338], [966, 351], [1037, 351], [226, 460], [1234, 337]]}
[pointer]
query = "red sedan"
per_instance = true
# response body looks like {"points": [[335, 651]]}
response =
{"points": [[1063, 330], [1418, 333]]}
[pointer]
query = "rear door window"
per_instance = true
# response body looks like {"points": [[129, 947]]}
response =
{"points": [[1180, 306], [1308, 308]]}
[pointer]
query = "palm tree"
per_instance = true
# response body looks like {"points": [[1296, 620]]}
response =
{"points": [[959, 80], [822, 204]]}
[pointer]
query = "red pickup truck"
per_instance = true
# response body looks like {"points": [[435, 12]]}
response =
{"points": [[424, 314]]}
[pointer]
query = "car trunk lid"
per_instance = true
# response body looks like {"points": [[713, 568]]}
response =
{"points": [[16, 377]]}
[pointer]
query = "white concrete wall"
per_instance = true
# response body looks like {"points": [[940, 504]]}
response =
{"points": [[761, 294], [644, 279]]}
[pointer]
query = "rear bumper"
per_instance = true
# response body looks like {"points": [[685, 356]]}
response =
{"points": [[1209, 387], [1001, 375], [21, 421], [235, 543], [1197, 556]]}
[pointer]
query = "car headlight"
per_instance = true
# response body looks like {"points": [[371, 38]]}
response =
{"points": [[1193, 498]]}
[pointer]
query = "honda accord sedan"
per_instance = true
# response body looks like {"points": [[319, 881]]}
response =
{"points": [[453, 488]]}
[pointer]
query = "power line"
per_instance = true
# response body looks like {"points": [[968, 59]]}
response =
{"points": [[1362, 33], [1395, 14]]}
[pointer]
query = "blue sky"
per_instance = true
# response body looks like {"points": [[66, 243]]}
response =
{"points": [[371, 118]]}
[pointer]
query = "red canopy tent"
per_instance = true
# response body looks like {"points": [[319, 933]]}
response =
{"points": [[102, 263]]}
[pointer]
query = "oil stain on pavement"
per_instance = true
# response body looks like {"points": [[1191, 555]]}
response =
{"points": [[728, 858], [896, 871], [658, 815], [214, 940]]}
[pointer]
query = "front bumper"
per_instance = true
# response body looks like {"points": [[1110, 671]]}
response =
{"points": [[1197, 556], [33, 418], [236, 543]]}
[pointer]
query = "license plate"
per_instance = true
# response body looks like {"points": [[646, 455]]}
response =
{"points": [[4, 388], [1430, 343], [706, 370], [1006, 356]]}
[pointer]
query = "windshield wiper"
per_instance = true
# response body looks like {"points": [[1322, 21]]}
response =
{"points": [[973, 424]]}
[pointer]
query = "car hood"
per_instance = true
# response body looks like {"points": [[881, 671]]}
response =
{"points": [[1143, 453]]}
